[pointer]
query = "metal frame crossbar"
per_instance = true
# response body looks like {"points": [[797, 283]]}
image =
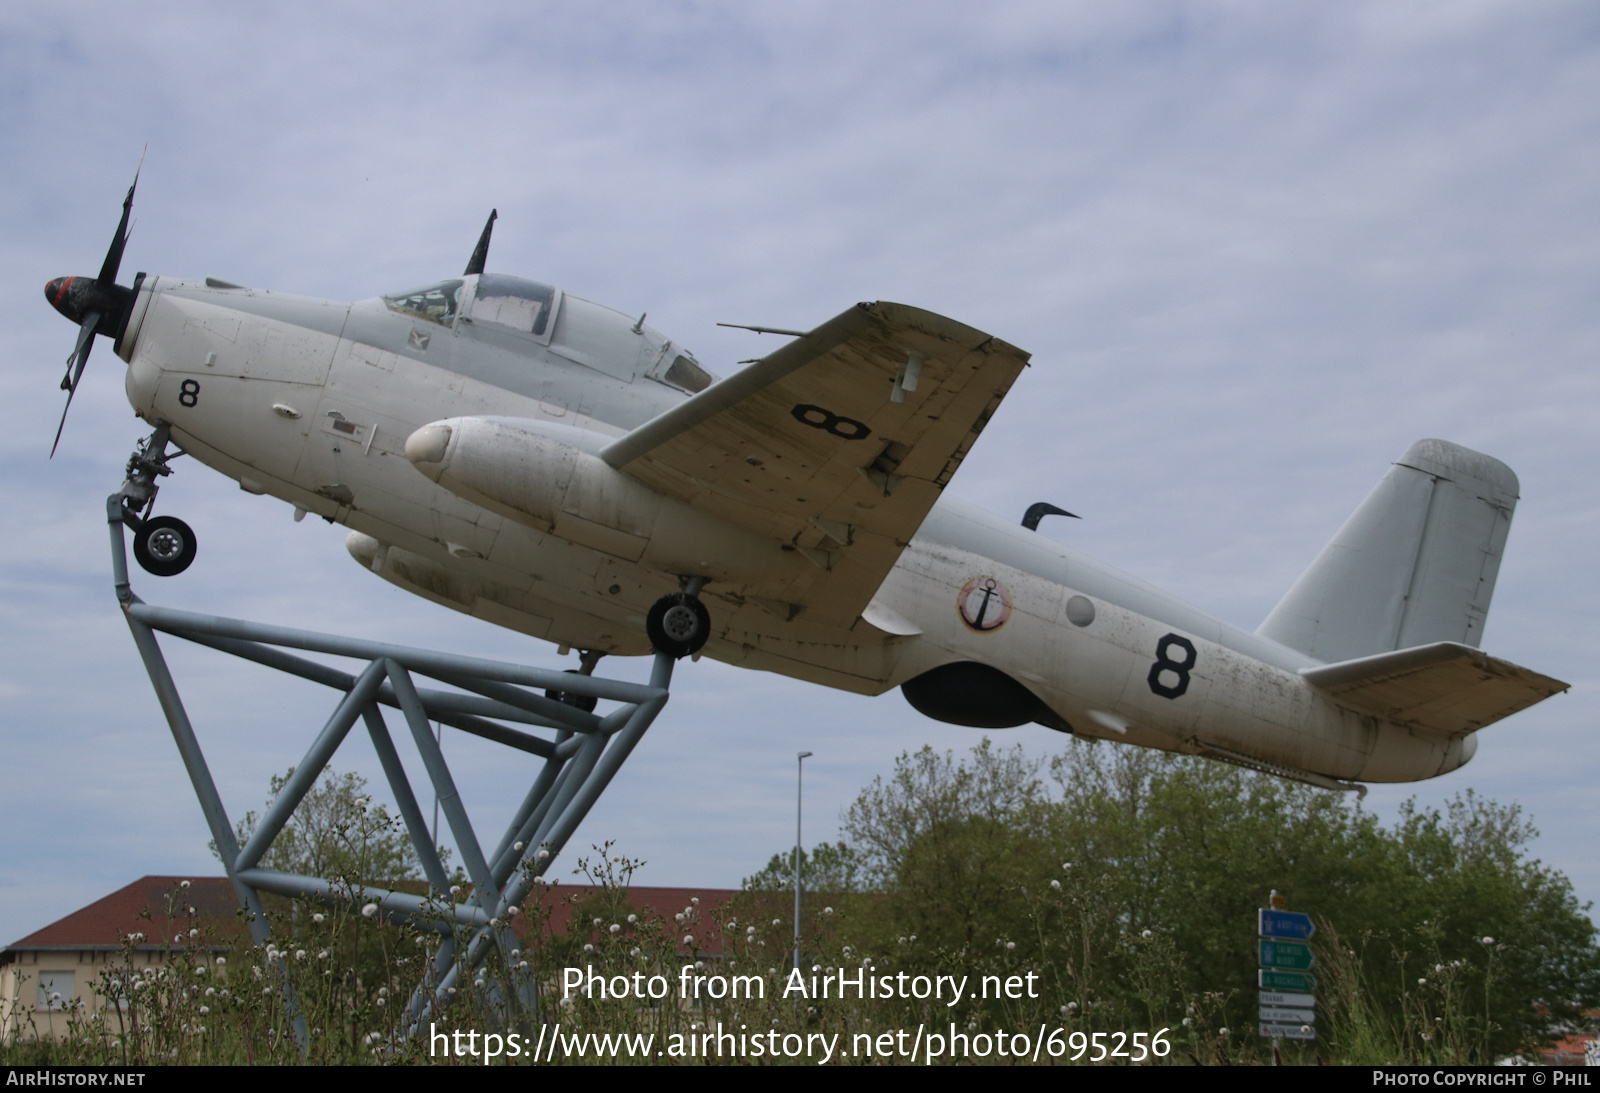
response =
{"points": [[579, 762]]}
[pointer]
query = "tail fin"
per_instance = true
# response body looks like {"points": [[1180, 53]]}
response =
{"points": [[1415, 564]]}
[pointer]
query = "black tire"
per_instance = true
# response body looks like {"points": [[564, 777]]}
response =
{"points": [[164, 546], [678, 625], [586, 703]]}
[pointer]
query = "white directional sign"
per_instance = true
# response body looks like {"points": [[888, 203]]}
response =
{"points": [[1282, 1015], [1288, 998], [1287, 1032]]}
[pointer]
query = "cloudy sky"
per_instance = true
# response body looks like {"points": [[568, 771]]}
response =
{"points": [[1254, 249]]}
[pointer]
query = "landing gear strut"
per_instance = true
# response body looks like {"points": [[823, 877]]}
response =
{"points": [[163, 545], [679, 624], [588, 658]]}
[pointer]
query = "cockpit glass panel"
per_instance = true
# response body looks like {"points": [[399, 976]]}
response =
{"points": [[512, 301], [435, 303], [688, 375]]}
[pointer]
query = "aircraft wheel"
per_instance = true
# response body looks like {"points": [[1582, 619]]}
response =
{"points": [[678, 625], [164, 546], [586, 703]]}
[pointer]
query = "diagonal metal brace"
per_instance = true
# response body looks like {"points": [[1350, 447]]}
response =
{"points": [[578, 762]]}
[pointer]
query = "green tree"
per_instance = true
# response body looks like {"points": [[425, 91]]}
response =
{"points": [[829, 867], [337, 832], [953, 843], [1131, 882]]}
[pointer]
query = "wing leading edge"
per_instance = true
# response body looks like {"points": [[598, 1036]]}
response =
{"points": [[836, 445]]}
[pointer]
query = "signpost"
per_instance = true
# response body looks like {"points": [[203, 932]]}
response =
{"points": [[1286, 981], [1288, 1006], [1286, 924], [1295, 955]]}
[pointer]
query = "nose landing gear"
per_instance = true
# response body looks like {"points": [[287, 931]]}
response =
{"points": [[679, 624], [164, 546]]}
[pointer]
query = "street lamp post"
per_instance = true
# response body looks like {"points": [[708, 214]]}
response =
{"points": [[799, 778]]}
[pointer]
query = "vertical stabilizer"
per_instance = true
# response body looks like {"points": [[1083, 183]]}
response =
{"points": [[1415, 564]]}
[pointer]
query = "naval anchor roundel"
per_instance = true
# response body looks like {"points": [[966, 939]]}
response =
{"points": [[985, 604]]}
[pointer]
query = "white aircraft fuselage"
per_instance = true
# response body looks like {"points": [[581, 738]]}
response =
{"points": [[483, 440]]}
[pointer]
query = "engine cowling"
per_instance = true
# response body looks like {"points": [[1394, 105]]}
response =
{"points": [[549, 477]]}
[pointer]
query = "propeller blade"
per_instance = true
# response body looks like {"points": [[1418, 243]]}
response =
{"points": [[480, 254], [108, 271], [85, 333], [75, 363]]}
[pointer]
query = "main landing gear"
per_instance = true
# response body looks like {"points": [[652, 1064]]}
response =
{"points": [[164, 546], [679, 624], [588, 658]]}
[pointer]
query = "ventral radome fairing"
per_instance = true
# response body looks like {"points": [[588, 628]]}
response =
{"points": [[514, 451]]}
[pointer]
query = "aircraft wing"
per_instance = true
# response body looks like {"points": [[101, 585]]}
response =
{"points": [[835, 445], [1445, 689]]}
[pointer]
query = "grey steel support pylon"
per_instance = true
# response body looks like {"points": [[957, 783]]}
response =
{"points": [[579, 762]]}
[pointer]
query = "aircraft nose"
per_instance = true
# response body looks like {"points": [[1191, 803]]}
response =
{"points": [[60, 299]]}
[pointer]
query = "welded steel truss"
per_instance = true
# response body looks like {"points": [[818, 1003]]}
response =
{"points": [[579, 761]]}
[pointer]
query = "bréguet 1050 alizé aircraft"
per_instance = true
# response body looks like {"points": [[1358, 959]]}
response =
{"points": [[514, 451]]}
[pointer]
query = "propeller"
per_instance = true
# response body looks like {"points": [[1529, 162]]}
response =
{"points": [[98, 306]]}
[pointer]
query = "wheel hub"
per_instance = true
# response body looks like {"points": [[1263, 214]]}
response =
{"points": [[166, 544], [680, 622]]}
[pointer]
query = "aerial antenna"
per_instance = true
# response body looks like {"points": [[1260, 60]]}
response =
{"points": [[481, 254], [766, 329], [1039, 510]]}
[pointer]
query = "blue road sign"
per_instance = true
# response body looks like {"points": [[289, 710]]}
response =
{"points": [[1288, 924]]}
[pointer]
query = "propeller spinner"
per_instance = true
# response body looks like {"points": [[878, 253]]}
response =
{"points": [[97, 305]]}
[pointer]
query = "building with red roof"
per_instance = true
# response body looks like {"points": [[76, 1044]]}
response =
{"points": [[53, 972], [58, 972]]}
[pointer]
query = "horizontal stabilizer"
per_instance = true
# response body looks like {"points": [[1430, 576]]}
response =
{"points": [[1444, 690]]}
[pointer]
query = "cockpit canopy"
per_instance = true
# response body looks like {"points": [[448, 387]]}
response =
{"points": [[512, 301], [435, 303], [585, 332]]}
